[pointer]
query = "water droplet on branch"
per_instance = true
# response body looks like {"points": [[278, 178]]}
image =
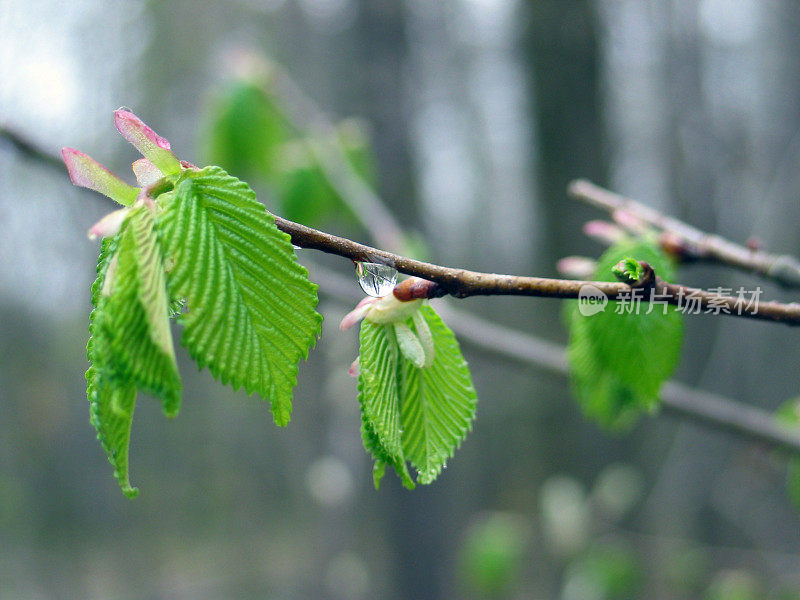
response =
{"points": [[376, 279]]}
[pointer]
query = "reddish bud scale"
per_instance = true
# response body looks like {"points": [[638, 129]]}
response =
{"points": [[415, 288]]}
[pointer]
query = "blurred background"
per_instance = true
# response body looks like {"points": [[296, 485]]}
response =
{"points": [[467, 118]]}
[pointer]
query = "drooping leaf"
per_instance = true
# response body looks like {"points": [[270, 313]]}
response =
{"points": [[250, 308], [378, 396], [135, 315], [619, 359], [437, 404], [411, 412], [793, 482], [788, 416], [111, 403]]}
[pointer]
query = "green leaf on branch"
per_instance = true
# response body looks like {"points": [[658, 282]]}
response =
{"points": [[250, 308], [130, 347], [412, 413], [135, 314], [246, 129], [619, 361], [438, 403], [378, 395], [111, 403], [628, 270]]}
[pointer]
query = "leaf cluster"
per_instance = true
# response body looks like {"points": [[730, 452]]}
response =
{"points": [[208, 254], [619, 359]]}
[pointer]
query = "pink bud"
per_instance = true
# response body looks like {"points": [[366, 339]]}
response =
{"points": [[604, 232], [109, 225], [355, 368], [358, 313], [86, 172], [146, 172], [148, 142], [577, 267]]}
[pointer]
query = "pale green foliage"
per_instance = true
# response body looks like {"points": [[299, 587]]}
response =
{"points": [[379, 396], [411, 413], [131, 347], [111, 403], [619, 361], [210, 253], [135, 320], [250, 314], [628, 270], [438, 403], [788, 415]]}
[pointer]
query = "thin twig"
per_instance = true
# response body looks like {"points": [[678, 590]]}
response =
{"points": [[30, 149], [462, 283], [691, 243]]}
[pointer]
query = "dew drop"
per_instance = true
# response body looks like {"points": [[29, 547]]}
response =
{"points": [[376, 279]]}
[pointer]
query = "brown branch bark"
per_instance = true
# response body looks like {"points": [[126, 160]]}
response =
{"points": [[691, 243], [462, 283]]}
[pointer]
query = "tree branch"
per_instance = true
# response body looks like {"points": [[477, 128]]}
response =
{"points": [[462, 283], [28, 148], [690, 243]]}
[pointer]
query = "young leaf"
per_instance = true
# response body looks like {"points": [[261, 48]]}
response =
{"points": [[135, 315], [379, 400], [437, 403], [249, 304], [619, 361], [603, 396], [111, 404], [410, 411], [410, 345]]}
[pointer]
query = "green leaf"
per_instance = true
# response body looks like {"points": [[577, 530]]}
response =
{"points": [[628, 270], [410, 345], [437, 403], [419, 414], [250, 308], [793, 481], [111, 404], [619, 361], [379, 400], [250, 135], [135, 315], [130, 347]]}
